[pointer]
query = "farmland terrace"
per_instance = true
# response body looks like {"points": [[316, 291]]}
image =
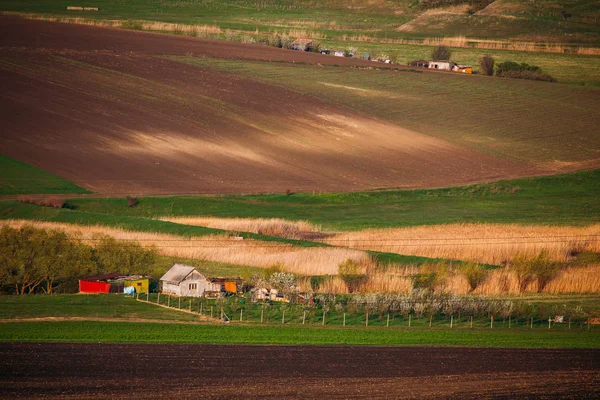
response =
{"points": [[95, 371], [119, 112]]}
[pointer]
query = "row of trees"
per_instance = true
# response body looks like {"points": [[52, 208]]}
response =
{"points": [[33, 260]]}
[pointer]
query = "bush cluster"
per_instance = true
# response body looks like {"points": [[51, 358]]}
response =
{"points": [[511, 69]]}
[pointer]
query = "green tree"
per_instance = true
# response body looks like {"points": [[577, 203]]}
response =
{"points": [[441, 53], [124, 257]]}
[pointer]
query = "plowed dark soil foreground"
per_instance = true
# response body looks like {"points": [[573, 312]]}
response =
{"points": [[140, 371]]}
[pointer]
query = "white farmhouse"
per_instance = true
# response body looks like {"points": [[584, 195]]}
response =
{"points": [[183, 280]]}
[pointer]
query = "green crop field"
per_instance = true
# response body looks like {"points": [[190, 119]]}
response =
{"points": [[85, 306], [17, 177], [569, 199], [335, 18], [90, 331]]}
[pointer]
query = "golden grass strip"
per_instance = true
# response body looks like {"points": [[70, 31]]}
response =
{"points": [[264, 226], [483, 243], [220, 248]]}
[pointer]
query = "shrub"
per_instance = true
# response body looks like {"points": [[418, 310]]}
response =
{"points": [[130, 24], [511, 69], [475, 275], [440, 53], [350, 273], [486, 63], [314, 47], [54, 202], [131, 201]]}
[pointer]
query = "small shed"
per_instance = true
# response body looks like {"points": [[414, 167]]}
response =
{"points": [[302, 44], [338, 53], [419, 64], [140, 285], [183, 280], [465, 69]]}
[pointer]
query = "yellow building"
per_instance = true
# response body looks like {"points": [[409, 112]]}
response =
{"points": [[140, 285]]}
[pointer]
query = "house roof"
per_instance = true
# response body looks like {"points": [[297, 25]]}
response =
{"points": [[177, 273]]}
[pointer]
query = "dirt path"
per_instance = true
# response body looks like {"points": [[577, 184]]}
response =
{"points": [[141, 371]]}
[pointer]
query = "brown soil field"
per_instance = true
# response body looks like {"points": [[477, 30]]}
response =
{"points": [[102, 108], [142, 371]]}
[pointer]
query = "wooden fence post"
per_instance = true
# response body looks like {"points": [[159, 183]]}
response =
{"points": [[451, 321], [148, 296], [344, 319], [191, 304], [409, 318], [324, 314], [367, 319], [509, 322], [262, 314], [211, 311], [179, 302], [241, 314], [169, 302], [430, 319], [569, 322], [303, 317], [388, 321], [549, 322], [491, 322], [283, 316], [201, 306], [471, 321], [158, 298]]}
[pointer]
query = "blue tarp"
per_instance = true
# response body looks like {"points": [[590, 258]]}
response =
{"points": [[129, 290]]}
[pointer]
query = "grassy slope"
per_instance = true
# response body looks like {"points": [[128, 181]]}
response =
{"points": [[537, 122], [333, 17], [176, 333], [88, 306], [569, 199], [17, 177]]}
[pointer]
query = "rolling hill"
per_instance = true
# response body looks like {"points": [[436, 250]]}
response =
{"points": [[128, 112]]}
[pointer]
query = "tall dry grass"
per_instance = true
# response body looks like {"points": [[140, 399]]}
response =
{"points": [[483, 243], [192, 30], [220, 248], [264, 226]]}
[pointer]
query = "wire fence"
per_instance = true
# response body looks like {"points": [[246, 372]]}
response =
{"points": [[243, 310]]}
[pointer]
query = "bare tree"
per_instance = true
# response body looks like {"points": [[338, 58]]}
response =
{"points": [[487, 65]]}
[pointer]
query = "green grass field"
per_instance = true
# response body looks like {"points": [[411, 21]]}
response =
{"points": [[86, 306], [17, 177], [569, 199], [116, 332], [335, 18]]}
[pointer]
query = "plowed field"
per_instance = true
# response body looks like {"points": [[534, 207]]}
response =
{"points": [[104, 109], [99, 371]]}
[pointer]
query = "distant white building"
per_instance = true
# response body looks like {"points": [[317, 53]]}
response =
{"points": [[183, 280], [443, 65]]}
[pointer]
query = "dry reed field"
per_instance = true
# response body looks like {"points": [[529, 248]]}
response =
{"points": [[483, 243], [220, 248], [264, 226]]}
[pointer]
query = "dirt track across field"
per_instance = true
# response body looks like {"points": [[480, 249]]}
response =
{"points": [[105, 109], [143, 371]]}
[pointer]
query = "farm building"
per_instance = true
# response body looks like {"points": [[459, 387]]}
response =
{"points": [[183, 280], [465, 69], [113, 283], [228, 285], [302, 44], [443, 65], [419, 64], [338, 53]]}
